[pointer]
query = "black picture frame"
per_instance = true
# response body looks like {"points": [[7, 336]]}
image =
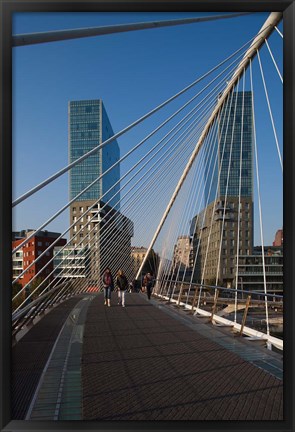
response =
{"points": [[7, 8]]}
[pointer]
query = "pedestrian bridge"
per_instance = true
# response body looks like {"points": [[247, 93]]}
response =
{"points": [[147, 361], [182, 355]]}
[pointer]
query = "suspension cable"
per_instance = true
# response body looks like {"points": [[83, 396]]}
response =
{"points": [[126, 129], [259, 201], [274, 62], [270, 111]]}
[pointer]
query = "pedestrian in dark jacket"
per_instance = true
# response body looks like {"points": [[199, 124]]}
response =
{"points": [[149, 282], [108, 285], [122, 284]]}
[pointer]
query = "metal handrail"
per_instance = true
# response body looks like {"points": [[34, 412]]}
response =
{"points": [[20, 313], [233, 290]]}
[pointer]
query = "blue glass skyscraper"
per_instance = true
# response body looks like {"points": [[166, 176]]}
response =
{"points": [[230, 134], [89, 126], [224, 228]]}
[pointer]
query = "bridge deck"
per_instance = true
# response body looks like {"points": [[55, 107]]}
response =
{"points": [[146, 362]]}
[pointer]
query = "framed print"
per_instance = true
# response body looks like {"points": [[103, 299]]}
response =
{"points": [[147, 215]]}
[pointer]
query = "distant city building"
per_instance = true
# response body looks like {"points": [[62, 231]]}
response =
{"points": [[208, 228], [182, 252], [107, 233], [251, 272], [70, 262], [17, 235], [30, 251], [17, 262], [279, 238], [137, 255], [268, 250], [182, 260]]}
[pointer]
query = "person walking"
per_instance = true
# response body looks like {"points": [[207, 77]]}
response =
{"points": [[108, 285], [122, 284], [148, 282]]}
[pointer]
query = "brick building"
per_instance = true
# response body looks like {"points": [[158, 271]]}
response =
{"points": [[30, 251], [279, 239]]}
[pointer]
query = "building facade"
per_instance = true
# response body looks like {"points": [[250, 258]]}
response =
{"points": [[279, 238], [251, 271], [70, 262], [182, 252], [138, 254], [30, 251], [215, 239], [215, 230], [107, 234]]}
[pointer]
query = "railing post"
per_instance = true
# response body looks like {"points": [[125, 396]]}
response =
{"points": [[194, 299], [245, 314], [214, 304], [179, 295]]}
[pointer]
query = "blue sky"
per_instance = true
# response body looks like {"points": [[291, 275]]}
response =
{"points": [[132, 72]]}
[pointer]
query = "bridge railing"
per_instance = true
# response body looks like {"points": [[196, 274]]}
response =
{"points": [[25, 317], [250, 313]]}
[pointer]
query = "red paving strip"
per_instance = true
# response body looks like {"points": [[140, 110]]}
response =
{"points": [[139, 363], [30, 355]]}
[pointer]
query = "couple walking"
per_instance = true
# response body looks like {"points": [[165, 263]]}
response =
{"points": [[108, 285]]}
